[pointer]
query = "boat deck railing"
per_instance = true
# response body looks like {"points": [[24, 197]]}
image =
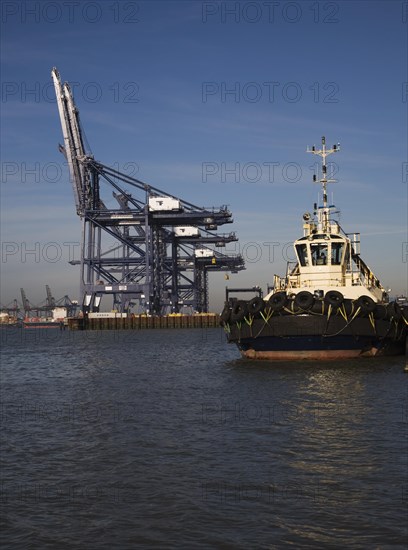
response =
{"points": [[294, 282], [312, 283]]}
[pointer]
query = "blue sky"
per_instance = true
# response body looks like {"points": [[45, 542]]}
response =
{"points": [[185, 92]]}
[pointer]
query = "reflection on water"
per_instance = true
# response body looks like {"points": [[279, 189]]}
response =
{"points": [[168, 439]]}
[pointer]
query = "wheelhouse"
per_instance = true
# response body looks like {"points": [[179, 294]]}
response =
{"points": [[322, 250]]}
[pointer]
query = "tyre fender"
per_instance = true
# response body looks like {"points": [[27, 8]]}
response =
{"points": [[225, 314], [256, 305], [394, 310], [239, 311], [334, 298], [278, 301], [366, 304], [304, 300]]}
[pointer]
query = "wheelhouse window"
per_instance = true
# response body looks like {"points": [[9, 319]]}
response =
{"points": [[336, 253], [347, 256], [319, 253], [301, 250]]}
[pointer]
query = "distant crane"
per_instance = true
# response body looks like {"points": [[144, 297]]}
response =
{"points": [[50, 298], [11, 308], [47, 306], [71, 305], [26, 304]]}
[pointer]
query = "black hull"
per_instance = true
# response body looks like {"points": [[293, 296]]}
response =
{"points": [[308, 336]]}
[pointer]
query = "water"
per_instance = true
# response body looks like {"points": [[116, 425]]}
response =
{"points": [[166, 439]]}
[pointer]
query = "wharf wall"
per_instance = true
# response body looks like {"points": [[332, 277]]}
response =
{"points": [[138, 322]]}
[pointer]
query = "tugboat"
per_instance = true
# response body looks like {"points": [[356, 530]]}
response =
{"points": [[329, 305]]}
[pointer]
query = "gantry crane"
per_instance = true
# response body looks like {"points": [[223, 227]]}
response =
{"points": [[70, 305], [50, 299], [149, 248], [11, 308], [26, 304], [48, 305]]}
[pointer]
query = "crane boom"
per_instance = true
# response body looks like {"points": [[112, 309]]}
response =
{"points": [[74, 147], [50, 298], [26, 303]]}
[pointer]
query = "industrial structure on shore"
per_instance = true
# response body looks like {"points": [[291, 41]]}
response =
{"points": [[48, 312], [149, 249]]}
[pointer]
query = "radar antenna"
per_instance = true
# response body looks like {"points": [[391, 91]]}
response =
{"points": [[323, 152]]}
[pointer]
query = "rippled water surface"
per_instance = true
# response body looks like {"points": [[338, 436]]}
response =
{"points": [[166, 439]]}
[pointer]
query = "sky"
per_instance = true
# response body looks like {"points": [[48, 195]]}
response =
{"points": [[214, 102]]}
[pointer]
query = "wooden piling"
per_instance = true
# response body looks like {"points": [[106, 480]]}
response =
{"points": [[139, 322]]}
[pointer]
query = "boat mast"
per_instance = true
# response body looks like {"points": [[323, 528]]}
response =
{"points": [[323, 213]]}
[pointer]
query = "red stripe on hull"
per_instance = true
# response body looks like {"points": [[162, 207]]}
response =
{"points": [[33, 325], [317, 355]]}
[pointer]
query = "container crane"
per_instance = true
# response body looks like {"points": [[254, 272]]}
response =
{"points": [[148, 248], [50, 303], [26, 304]]}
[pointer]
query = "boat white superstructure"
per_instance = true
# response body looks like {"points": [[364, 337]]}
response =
{"points": [[327, 258]]}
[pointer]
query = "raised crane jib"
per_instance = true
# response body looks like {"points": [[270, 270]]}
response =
{"points": [[26, 303], [50, 298], [73, 142]]}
